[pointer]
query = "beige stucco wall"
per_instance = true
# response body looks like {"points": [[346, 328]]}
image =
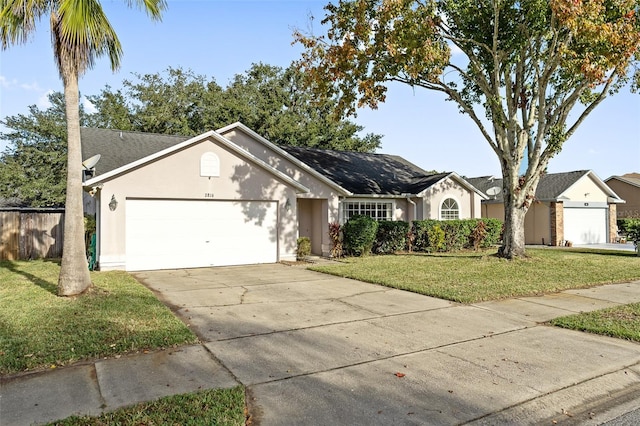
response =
{"points": [[178, 176], [629, 193], [468, 201], [585, 190], [537, 224], [317, 188], [493, 210]]}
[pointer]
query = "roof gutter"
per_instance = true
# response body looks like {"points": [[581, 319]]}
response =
{"points": [[381, 195]]}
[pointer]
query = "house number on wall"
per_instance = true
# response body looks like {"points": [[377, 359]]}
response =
{"points": [[209, 195]]}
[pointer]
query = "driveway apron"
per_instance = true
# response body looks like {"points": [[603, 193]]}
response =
{"points": [[316, 349]]}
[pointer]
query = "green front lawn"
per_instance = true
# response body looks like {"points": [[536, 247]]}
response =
{"points": [[41, 330], [470, 277], [622, 322], [210, 407]]}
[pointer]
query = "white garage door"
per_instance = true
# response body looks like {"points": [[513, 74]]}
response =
{"points": [[167, 234], [585, 225]]}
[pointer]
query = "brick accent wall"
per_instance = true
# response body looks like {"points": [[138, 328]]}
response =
{"points": [[613, 225], [557, 223]]}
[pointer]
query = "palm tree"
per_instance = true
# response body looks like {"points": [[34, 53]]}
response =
{"points": [[80, 33]]}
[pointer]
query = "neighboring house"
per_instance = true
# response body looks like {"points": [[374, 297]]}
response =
{"points": [[231, 197], [628, 187], [574, 206]]}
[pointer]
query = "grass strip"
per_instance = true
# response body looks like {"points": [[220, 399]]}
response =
{"points": [[224, 407], [622, 322], [39, 329], [470, 277]]}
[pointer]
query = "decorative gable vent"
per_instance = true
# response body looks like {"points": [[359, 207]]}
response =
{"points": [[209, 165]]}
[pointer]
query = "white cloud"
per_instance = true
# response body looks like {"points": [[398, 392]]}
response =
{"points": [[33, 87], [43, 101], [88, 106], [6, 84]]}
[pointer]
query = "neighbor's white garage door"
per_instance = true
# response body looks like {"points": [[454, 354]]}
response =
{"points": [[167, 234], [585, 225]]}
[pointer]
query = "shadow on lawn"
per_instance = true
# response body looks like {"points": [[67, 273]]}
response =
{"points": [[39, 281]]}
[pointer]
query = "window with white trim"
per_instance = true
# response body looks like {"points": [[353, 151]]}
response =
{"points": [[449, 210], [378, 210]]}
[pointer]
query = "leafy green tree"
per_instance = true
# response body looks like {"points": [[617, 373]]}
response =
{"points": [[268, 99], [112, 111], [80, 33], [174, 105], [275, 103], [34, 166], [524, 65]]}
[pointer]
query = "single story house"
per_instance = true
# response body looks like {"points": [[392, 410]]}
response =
{"points": [[573, 206], [628, 187], [230, 196]]}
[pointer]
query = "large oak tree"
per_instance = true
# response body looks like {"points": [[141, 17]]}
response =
{"points": [[80, 33], [268, 99], [533, 70]]}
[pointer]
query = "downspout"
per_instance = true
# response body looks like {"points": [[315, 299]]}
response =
{"points": [[410, 201]]}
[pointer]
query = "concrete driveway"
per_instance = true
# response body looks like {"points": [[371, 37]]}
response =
{"points": [[315, 349]]}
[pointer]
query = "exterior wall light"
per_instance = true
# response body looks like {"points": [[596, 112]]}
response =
{"points": [[113, 204]]}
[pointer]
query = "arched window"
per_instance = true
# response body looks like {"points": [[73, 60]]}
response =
{"points": [[449, 210], [209, 165]]}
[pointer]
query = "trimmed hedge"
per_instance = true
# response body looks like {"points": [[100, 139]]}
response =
{"points": [[448, 235], [359, 235], [391, 237], [362, 235]]}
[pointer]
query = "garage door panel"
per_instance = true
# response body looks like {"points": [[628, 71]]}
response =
{"points": [[585, 225], [165, 234]]}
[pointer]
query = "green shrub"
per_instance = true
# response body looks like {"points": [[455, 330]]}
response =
{"points": [[630, 227], [419, 229], [359, 234], [494, 232], [449, 235], [435, 239], [428, 235], [391, 236], [304, 248], [456, 234]]}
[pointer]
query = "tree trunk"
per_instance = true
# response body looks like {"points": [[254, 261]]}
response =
{"points": [[74, 272], [513, 236]]}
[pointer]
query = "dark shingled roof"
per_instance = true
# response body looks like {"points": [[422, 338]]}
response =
{"points": [[365, 173], [551, 185], [12, 202], [357, 172], [118, 148]]}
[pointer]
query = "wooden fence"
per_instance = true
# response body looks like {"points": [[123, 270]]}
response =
{"points": [[31, 233]]}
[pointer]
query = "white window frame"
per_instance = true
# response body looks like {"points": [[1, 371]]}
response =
{"points": [[440, 209], [378, 209]]}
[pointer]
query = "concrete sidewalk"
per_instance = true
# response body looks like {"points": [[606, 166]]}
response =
{"points": [[316, 349]]}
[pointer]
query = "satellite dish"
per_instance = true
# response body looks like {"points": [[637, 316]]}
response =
{"points": [[494, 190], [91, 162]]}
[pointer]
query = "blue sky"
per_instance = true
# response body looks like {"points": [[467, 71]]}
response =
{"points": [[219, 38]]}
